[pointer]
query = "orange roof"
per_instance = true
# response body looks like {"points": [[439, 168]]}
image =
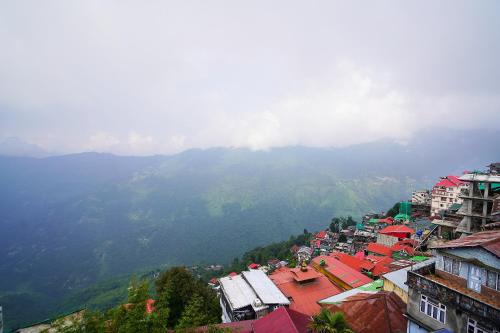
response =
{"points": [[353, 262], [401, 247], [304, 296], [373, 313], [396, 229], [321, 234], [379, 249], [300, 276], [348, 275]]}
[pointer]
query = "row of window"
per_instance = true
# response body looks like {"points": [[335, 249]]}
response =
{"points": [[474, 327], [452, 266], [433, 309], [493, 280], [437, 311]]}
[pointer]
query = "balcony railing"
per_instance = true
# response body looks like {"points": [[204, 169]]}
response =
{"points": [[453, 298]]}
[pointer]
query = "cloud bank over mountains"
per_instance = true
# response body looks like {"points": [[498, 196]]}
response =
{"points": [[151, 77]]}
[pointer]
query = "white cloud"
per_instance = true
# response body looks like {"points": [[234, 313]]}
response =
{"points": [[101, 141], [161, 77]]}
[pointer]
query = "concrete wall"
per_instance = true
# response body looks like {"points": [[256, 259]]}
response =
{"points": [[452, 321], [386, 240], [389, 286]]}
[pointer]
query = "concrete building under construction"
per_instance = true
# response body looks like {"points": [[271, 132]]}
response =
{"points": [[477, 205]]}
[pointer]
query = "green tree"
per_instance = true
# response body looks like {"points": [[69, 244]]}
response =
{"points": [[177, 286], [132, 317], [328, 322], [194, 314]]}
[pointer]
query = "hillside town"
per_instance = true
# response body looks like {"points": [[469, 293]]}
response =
{"points": [[433, 267], [430, 265]]}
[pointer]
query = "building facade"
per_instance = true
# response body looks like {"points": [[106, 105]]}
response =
{"points": [[478, 197], [445, 193], [461, 290]]}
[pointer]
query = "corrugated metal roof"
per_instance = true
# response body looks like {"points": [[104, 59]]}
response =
{"points": [[265, 288], [304, 297], [396, 229], [348, 275], [282, 320], [371, 287], [489, 240], [399, 277], [373, 313], [238, 292]]}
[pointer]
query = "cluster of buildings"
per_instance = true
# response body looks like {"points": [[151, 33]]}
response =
{"points": [[433, 267]]}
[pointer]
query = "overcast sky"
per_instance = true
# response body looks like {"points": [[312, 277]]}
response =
{"points": [[143, 77]]}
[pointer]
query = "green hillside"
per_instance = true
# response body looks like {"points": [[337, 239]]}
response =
{"points": [[69, 222]]}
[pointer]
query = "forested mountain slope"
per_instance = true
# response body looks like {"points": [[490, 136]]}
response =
{"points": [[67, 222]]}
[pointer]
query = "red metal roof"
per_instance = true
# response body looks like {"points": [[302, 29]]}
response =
{"points": [[379, 249], [388, 220], [396, 229], [300, 276], [343, 272], [360, 255], [449, 181], [488, 240], [380, 268], [352, 261], [401, 247], [373, 313], [304, 296], [321, 234], [253, 266], [282, 320]]}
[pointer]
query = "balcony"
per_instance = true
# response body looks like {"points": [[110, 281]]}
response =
{"points": [[453, 295]]}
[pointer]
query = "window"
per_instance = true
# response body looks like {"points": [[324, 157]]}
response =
{"points": [[451, 265], [491, 280], [474, 327], [433, 308]]}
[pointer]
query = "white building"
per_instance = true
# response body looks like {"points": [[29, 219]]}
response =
{"points": [[445, 193], [249, 295], [421, 197]]}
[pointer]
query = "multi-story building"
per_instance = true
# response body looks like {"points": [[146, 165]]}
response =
{"points": [[461, 290], [249, 295], [478, 199], [421, 197], [445, 193]]}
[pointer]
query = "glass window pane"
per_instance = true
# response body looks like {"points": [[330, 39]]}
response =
{"points": [[491, 279], [456, 266]]}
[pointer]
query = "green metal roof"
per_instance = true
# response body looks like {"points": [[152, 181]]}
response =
{"points": [[418, 258], [404, 217]]}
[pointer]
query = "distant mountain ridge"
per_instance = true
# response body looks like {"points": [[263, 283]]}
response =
{"points": [[67, 222]]}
